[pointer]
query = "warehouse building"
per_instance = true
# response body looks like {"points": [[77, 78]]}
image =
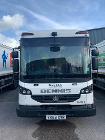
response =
{"points": [[97, 35]]}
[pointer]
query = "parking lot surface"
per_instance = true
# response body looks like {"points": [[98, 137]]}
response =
{"points": [[15, 128]]}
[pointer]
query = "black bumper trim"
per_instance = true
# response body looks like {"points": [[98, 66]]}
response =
{"points": [[69, 111]]}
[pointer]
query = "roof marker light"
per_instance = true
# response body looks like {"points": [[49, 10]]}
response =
{"points": [[82, 32], [26, 33], [54, 33]]}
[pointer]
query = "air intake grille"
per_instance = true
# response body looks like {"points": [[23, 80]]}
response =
{"points": [[55, 98]]}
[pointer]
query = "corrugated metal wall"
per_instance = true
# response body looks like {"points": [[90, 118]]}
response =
{"points": [[97, 35]]}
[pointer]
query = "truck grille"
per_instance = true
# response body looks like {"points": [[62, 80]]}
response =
{"points": [[55, 98]]}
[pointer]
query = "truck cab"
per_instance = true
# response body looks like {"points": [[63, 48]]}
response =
{"points": [[55, 75]]}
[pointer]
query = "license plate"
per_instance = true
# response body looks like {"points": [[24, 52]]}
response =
{"points": [[55, 117]]}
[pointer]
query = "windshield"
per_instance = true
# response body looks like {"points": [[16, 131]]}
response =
{"points": [[72, 59]]}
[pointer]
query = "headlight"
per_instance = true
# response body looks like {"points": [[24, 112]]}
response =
{"points": [[87, 89], [24, 91]]}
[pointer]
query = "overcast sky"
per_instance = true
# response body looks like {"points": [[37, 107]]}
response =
{"points": [[17, 16]]}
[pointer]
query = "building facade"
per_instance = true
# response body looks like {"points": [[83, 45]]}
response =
{"points": [[97, 35]]}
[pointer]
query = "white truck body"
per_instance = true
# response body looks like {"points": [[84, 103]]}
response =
{"points": [[7, 68], [101, 57], [99, 79], [7, 75], [52, 97]]}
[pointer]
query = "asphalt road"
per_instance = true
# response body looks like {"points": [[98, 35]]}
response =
{"points": [[14, 128]]}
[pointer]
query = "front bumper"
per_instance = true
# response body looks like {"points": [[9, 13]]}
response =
{"points": [[43, 110]]}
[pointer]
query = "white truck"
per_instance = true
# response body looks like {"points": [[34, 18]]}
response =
{"points": [[7, 76], [55, 75], [99, 75]]}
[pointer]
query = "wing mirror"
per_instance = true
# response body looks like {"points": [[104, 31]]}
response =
{"points": [[95, 52]]}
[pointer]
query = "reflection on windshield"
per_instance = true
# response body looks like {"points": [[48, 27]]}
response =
{"points": [[51, 66], [40, 60]]}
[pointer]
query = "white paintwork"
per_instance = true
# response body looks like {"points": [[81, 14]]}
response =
{"points": [[75, 89], [60, 33], [90, 99]]}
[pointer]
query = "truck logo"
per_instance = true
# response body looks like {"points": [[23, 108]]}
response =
{"points": [[55, 85], [55, 98]]}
